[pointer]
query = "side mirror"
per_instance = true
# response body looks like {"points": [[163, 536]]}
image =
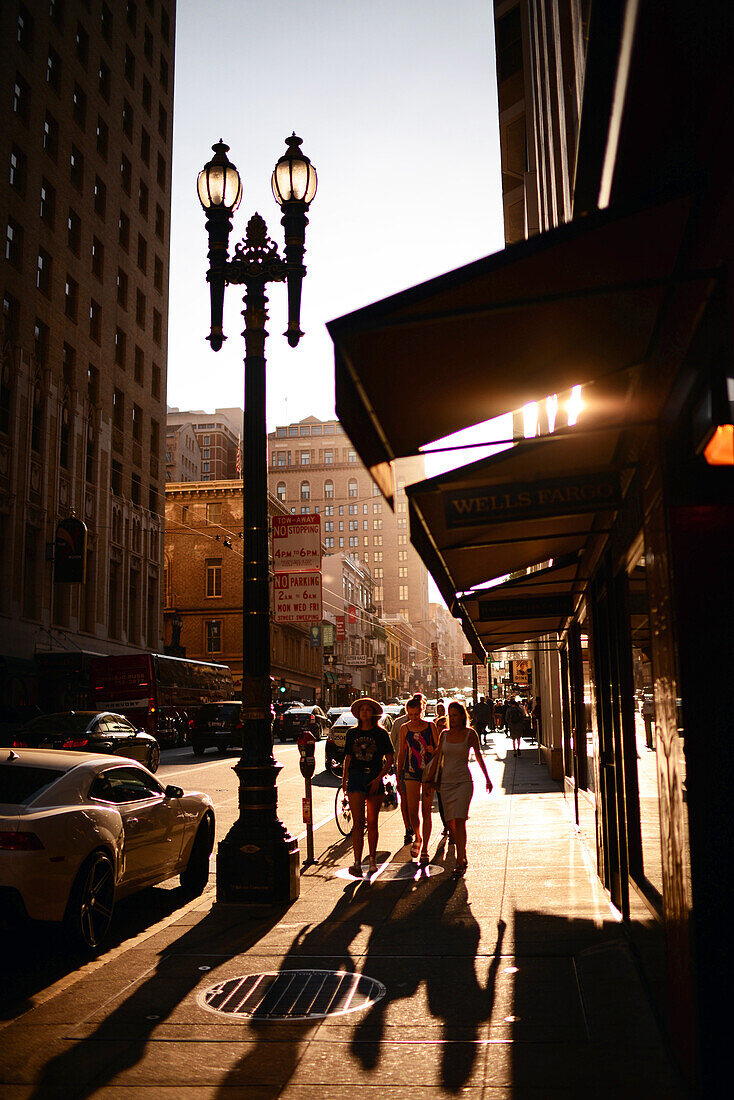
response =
{"points": [[173, 792]]}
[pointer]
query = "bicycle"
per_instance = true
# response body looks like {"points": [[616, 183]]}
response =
{"points": [[343, 811]]}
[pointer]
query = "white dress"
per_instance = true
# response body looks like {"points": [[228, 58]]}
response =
{"points": [[456, 784]]}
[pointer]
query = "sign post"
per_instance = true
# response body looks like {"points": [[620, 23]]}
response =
{"points": [[307, 764]]}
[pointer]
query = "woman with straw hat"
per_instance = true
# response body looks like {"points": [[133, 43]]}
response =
{"points": [[368, 757]]}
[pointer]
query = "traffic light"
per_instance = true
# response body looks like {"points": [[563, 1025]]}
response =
{"points": [[282, 685]]}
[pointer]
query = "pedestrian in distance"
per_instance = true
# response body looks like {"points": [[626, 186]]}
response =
{"points": [[514, 718], [647, 710], [418, 743], [457, 786], [395, 738], [368, 757], [482, 717]]}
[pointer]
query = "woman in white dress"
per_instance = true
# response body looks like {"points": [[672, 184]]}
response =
{"points": [[456, 784]]}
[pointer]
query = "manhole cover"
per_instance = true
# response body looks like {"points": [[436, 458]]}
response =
{"points": [[292, 995]]}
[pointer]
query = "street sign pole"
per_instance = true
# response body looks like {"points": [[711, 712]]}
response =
{"points": [[474, 684]]}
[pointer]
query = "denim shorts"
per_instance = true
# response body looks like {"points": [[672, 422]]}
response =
{"points": [[358, 782]]}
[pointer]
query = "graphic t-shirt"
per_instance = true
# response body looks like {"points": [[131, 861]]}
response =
{"points": [[366, 749]]}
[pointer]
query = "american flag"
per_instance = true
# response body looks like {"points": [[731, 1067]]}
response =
{"points": [[238, 459]]}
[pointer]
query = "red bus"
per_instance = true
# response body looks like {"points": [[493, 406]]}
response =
{"points": [[157, 693]]}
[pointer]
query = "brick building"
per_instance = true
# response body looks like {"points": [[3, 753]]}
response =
{"points": [[313, 467], [203, 585], [359, 657], [218, 435], [87, 95]]}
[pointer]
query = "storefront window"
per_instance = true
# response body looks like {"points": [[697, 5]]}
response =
{"points": [[649, 859], [587, 773]]}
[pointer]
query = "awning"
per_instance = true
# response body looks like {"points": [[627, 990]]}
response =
{"points": [[569, 306], [543, 500]]}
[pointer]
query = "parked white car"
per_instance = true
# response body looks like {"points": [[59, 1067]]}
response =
{"points": [[78, 831]]}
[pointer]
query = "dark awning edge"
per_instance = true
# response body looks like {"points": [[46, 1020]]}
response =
{"points": [[615, 258]]}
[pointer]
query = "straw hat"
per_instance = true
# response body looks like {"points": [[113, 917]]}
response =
{"points": [[376, 707]]}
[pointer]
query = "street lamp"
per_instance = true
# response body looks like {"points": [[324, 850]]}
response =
{"points": [[257, 862]]}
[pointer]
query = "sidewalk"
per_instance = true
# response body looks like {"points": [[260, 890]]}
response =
{"points": [[514, 981]]}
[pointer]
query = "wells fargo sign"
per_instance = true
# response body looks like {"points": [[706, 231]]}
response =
{"points": [[564, 496]]}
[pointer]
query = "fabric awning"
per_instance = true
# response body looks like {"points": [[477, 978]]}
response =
{"points": [[569, 306], [541, 499]]}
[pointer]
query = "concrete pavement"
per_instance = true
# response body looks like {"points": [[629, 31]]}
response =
{"points": [[514, 980]]}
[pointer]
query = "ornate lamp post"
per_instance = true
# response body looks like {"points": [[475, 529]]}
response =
{"points": [[257, 862]]}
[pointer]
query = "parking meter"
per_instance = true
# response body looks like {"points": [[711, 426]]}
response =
{"points": [[307, 749]]}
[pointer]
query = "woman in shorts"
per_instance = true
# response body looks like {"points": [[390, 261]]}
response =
{"points": [[418, 742], [368, 757]]}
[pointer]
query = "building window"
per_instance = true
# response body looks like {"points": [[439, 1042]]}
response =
{"points": [[121, 288], [328, 458], [377, 524], [97, 258], [353, 542], [123, 230], [17, 169], [79, 106], [76, 168], [82, 44], [25, 29], [126, 174], [280, 491], [140, 308], [51, 136], [40, 345], [352, 487], [213, 577], [329, 490], [214, 513], [53, 69], [95, 320], [305, 490], [43, 272], [120, 348], [352, 457], [14, 248], [305, 458], [100, 198], [329, 543], [73, 231]]}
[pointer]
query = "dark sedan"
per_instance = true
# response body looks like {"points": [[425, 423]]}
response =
{"points": [[91, 731], [298, 719]]}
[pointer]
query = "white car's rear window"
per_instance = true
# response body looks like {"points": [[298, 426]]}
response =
{"points": [[20, 783]]}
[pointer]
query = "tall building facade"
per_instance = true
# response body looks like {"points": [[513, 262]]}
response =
{"points": [[219, 434], [313, 467], [87, 107]]}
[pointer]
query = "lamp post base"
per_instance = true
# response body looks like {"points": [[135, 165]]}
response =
{"points": [[258, 861]]}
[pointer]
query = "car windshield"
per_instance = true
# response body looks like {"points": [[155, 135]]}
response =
{"points": [[301, 712], [74, 722], [20, 782], [218, 710]]}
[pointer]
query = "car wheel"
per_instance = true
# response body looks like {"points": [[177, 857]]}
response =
{"points": [[198, 747], [154, 758], [195, 875], [91, 902]]}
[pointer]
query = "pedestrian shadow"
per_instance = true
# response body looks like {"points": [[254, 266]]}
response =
{"points": [[119, 1041], [458, 997]]}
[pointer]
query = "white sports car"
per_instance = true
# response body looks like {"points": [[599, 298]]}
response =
{"points": [[78, 831]]}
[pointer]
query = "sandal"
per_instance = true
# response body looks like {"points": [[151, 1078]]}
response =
{"points": [[372, 868], [356, 870], [461, 867], [415, 848], [425, 859]]}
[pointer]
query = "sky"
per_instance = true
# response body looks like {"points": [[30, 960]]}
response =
{"points": [[396, 103]]}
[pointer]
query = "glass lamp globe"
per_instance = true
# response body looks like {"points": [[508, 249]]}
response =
{"points": [[294, 178], [219, 185]]}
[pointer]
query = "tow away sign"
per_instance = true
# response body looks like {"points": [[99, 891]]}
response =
{"points": [[296, 542], [297, 597]]}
